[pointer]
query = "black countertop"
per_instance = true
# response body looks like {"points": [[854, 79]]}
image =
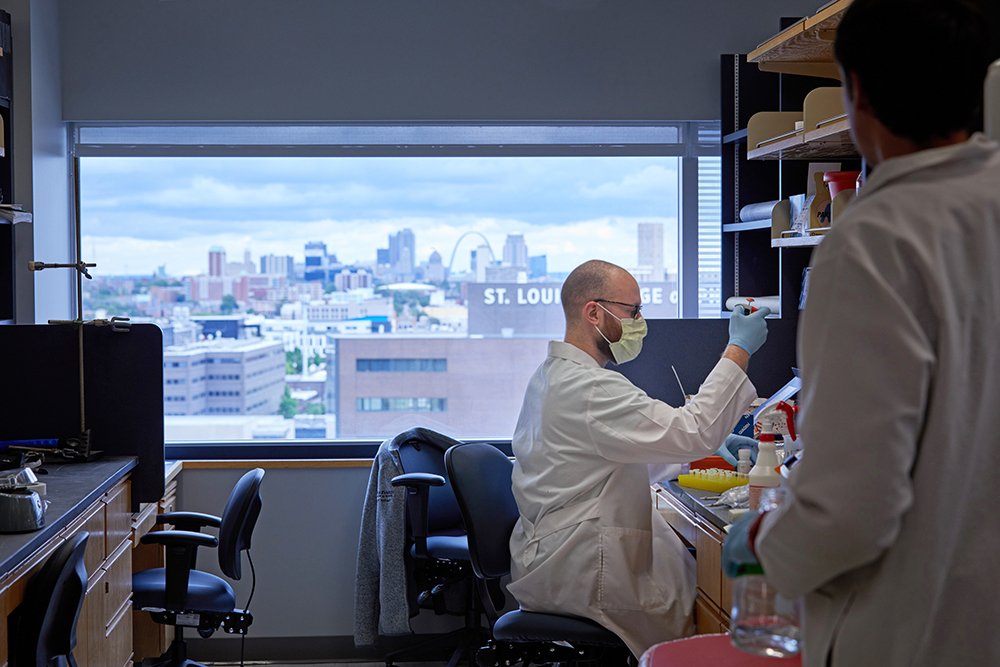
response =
{"points": [[720, 517], [70, 489]]}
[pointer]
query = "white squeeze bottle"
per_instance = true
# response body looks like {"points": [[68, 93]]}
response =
{"points": [[763, 475], [744, 464]]}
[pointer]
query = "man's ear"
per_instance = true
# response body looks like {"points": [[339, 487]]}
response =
{"points": [[590, 312]]}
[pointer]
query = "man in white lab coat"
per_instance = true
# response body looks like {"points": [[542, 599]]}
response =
{"points": [[589, 542], [893, 534]]}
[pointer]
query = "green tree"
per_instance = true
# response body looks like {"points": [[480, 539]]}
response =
{"points": [[293, 362], [228, 304], [315, 409], [288, 408], [317, 360]]}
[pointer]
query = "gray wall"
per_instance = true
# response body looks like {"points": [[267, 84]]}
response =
{"points": [[304, 547], [304, 551], [41, 163], [376, 60], [50, 182]]}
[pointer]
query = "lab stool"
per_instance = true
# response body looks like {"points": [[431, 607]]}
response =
{"points": [[708, 651]]}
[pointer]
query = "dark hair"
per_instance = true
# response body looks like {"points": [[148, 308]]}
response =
{"points": [[920, 62]]}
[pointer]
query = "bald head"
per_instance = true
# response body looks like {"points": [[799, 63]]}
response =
{"points": [[591, 280]]}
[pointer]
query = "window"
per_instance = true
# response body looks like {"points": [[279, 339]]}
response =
{"points": [[320, 266], [403, 365], [402, 404]]}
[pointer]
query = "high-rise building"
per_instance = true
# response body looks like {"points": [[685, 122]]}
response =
{"points": [[538, 266], [434, 272], [224, 376], [246, 267], [217, 261], [515, 251], [481, 259], [650, 237], [278, 265], [402, 252], [316, 261], [347, 279]]}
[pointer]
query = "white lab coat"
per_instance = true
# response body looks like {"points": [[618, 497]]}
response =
{"points": [[894, 533], [589, 542]]}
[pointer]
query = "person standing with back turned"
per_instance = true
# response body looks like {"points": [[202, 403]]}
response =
{"points": [[892, 532], [589, 542]]}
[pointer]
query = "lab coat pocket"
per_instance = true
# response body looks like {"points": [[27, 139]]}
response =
{"points": [[624, 580]]}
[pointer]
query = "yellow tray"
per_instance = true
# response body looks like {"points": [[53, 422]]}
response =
{"points": [[718, 486]]}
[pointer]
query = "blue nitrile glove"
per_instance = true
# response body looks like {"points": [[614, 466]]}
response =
{"points": [[730, 449], [736, 548], [748, 331]]}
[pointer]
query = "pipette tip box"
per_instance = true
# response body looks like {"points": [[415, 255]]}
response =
{"points": [[711, 480]]}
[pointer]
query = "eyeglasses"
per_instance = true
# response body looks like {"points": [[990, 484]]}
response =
{"points": [[636, 307]]}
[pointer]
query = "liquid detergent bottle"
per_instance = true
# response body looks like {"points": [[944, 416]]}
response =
{"points": [[764, 474]]}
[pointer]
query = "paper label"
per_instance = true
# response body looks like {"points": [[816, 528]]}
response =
{"points": [[188, 620]]}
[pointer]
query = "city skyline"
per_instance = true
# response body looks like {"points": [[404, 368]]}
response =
{"points": [[142, 213]]}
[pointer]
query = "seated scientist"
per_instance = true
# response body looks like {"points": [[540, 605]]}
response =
{"points": [[589, 542]]}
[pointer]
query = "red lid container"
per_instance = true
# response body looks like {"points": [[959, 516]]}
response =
{"points": [[838, 181]]}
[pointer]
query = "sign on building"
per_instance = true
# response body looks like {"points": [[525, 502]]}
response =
{"points": [[535, 309]]}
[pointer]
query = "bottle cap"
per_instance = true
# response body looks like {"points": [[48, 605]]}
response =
{"points": [[744, 455], [749, 568]]}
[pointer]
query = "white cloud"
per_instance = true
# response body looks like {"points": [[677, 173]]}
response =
{"points": [[652, 181]]}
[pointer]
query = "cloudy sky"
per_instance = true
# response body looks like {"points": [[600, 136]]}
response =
{"points": [[140, 213]]}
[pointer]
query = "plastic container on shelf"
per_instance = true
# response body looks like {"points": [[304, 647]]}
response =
{"points": [[839, 181]]}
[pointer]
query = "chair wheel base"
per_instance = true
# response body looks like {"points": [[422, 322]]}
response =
{"points": [[504, 654]]}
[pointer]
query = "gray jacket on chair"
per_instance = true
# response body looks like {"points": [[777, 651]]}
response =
{"points": [[380, 597]]}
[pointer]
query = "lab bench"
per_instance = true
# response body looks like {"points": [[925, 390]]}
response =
{"points": [[93, 497], [703, 528]]}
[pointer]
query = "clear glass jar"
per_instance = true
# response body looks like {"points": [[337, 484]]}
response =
{"points": [[762, 620]]}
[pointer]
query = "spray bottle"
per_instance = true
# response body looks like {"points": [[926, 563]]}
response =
{"points": [[764, 474]]}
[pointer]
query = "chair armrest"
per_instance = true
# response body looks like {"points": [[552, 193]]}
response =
{"points": [[418, 480], [418, 486], [181, 554], [179, 538], [189, 520]]}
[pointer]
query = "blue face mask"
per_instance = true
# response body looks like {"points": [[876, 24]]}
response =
{"points": [[629, 345]]}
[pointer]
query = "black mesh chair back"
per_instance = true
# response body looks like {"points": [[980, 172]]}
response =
{"points": [[480, 475], [44, 630], [238, 521]]}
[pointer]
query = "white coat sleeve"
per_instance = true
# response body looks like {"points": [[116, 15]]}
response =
{"points": [[627, 426], [867, 363]]}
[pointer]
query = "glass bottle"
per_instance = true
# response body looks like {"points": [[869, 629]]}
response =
{"points": [[762, 620]]}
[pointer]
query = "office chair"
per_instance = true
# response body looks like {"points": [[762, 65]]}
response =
{"points": [[437, 546], [43, 628], [183, 596], [481, 477]]}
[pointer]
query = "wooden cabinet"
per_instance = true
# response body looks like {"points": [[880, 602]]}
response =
{"points": [[104, 632], [714, 590], [107, 614], [151, 639]]}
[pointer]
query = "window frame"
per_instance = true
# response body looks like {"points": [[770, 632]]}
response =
{"points": [[693, 140]]}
